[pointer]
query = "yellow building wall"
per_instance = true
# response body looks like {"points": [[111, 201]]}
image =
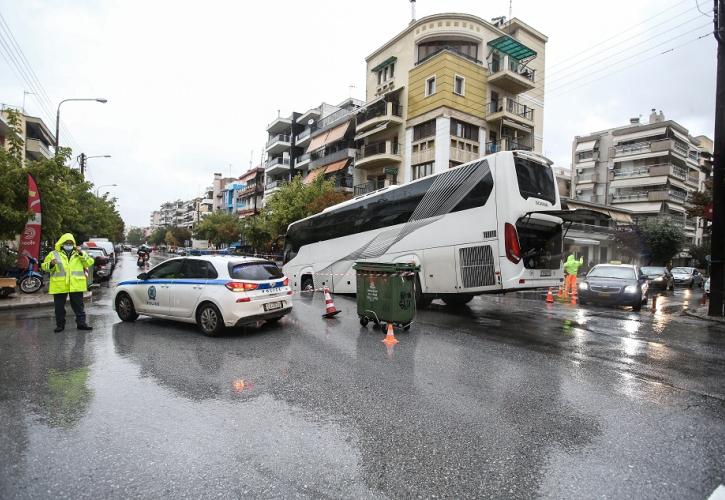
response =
{"points": [[445, 66]]}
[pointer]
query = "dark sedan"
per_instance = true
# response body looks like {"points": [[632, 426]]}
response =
{"points": [[619, 285], [658, 277]]}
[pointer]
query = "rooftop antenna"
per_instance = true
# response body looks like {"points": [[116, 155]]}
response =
{"points": [[412, 11], [26, 93], [510, 8]]}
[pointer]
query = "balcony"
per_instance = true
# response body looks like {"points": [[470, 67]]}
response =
{"points": [[510, 75], [36, 150], [377, 114], [273, 186], [246, 212], [423, 156], [342, 183], [317, 159], [630, 197], [279, 125], [378, 154], [278, 143], [587, 178], [276, 166], [506, 144], [368, 187], [512, 110], [645, 147], [303, 138], [302, 160], [462, 155], [668, 195], [251, 189]]}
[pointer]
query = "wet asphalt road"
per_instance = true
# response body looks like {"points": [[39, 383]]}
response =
{"points": [[507, 398]]}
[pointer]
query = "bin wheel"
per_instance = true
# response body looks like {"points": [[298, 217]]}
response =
{"points": [[406, 328], [364, 320]]}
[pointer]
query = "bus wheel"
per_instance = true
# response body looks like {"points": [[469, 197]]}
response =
{"points": [[457, 299], [422, 300]]}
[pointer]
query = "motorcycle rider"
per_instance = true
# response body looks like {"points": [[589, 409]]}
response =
{"points": [[67, 267], [144, 253]]}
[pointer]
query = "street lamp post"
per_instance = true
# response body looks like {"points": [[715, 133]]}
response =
{"points": [[57, 116], [82, 158], [102, 186]]}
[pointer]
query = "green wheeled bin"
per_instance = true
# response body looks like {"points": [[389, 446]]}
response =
{"points": [[386, 293]]}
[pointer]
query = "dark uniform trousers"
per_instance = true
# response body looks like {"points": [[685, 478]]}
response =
{"points": [[76, 303]]}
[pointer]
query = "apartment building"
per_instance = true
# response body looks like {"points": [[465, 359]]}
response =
{"points": [[249, 199], [320, 141], [155, 220], [446, 90], [650, 169], [36, 136], [217, 191]]}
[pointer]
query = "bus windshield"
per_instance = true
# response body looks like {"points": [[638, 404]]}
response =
{"points": [[536, 180]]}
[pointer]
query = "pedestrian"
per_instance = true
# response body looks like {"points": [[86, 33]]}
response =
{"points": [[571, 268], [67, 267]]}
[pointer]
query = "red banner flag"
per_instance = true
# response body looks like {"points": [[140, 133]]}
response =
{"points": [[30, 240]]}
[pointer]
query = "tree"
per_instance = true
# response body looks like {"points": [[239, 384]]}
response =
{"points": [[255, 232], [219, 228], [662, 240], [181, 234], [699, 252], [135, 236], [170, 239], [158, 236]]}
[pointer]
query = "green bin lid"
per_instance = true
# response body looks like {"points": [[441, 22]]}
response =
{"points": [[386, 267]]}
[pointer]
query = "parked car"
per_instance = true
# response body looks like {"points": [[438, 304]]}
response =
{"points": [[706, 287], [658, 277], [105, 245], [102, 269], [211, 291], [687, 276], [614, 284]]}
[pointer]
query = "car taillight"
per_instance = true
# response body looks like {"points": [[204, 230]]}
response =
{"points": [[285, 282], [240, 286], [513, 250]]}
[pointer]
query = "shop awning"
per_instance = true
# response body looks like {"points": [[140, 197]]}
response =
{"points": [[620, 217], [332, 135], [676, 208], [639, 181], [585, 146], [313, 175], [512, 48], [335, 166], [640, 156]]}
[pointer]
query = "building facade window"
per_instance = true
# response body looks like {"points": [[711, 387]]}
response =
{"points": [[459, 85], [385, 74], [422, 170], [430, 86], [463, 47], [464, 130], [423, 130], [584, 155]]}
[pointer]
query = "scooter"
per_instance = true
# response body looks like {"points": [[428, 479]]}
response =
{"points": [[29, 280], [142, 259]]}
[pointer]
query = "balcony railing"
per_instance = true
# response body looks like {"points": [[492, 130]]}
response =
{"points": [[342, 181], [280, 160], [506, 145], [302, 158], [368, 187], [274, 185], [278, 138], [511, 106], [641, 195], [510, 64], [379, 148], [303, 135], [379, 109], [321, 159], [447, 48]]}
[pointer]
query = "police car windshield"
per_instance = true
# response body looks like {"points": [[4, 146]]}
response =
{"points": [[256, 271]]}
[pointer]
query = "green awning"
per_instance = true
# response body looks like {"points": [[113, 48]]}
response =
{"points": [[512, 47], [389, 60]]}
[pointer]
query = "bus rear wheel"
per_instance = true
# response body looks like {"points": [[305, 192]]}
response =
{"points": [[422, 300], [457, 299]]}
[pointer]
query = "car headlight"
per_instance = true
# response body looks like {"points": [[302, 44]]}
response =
{"points": [[661, 278], [630, 289], [583, 286]]}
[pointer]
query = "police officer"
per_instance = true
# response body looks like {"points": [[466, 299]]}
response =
{"points": [[67, 267]]}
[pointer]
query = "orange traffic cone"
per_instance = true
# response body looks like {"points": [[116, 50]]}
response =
{"points": [[559, 293], [549, 296], [390, 336], [654, 303], [330, 309]]}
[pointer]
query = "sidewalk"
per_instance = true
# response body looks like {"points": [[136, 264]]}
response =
{"points": [[701, 313], [24, 300]]}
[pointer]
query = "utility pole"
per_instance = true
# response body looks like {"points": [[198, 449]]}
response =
{"points": [[717, 267], [82, 162]]}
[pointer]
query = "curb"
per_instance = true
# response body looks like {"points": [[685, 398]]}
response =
{"points": [[703, 316], [47, 301]]}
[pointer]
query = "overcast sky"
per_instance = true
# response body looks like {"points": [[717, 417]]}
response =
{"points": [[192, 85]]}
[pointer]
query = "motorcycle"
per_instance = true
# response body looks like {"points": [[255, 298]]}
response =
{"points": [[29, 280], [142, 259]]}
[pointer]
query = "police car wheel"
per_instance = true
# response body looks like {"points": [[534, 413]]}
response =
{"points": [[125, 309], [209, 320]]}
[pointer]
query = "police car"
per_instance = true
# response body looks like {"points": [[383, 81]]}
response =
{"points": [[211, 291]]}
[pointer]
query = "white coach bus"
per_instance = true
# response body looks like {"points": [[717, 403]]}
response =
{"points": [[481, 227]]}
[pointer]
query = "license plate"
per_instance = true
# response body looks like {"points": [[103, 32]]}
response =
{"points": [[271, 291], [273, 306], [545, 274]]}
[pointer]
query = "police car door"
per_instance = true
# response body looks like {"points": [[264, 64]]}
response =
{"points": [[186, 291], [152, 294]]}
